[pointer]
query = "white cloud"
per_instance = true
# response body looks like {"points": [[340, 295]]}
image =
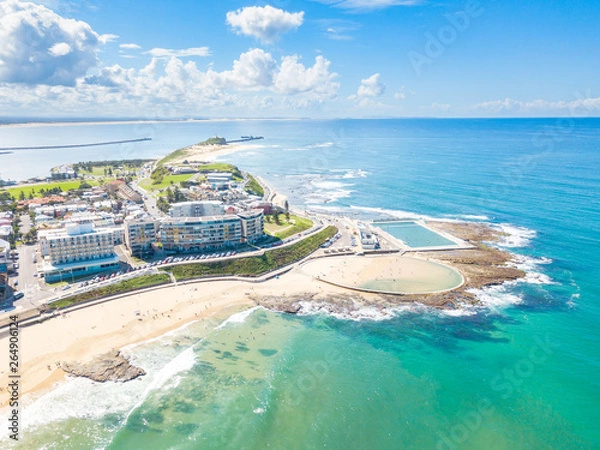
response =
{"points": [[294, 78], [37, 46], [106, 38], [581, 106], [367, 5], [369, 88], [130, 46], [264, 23], [338, 29], [58, 72], [168, 53], [60, 49]]}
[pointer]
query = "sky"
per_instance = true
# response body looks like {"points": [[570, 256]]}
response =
{"points": [[293, 58]]}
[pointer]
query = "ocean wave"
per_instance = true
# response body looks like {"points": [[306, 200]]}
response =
{"points": [[530, 265], [514, 237], [327, 191], [475, 217], [355, 314], [238, 318], [349, 173], [496, 297]]}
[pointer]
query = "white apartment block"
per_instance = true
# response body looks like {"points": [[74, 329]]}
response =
{"points": [[79, 249]]}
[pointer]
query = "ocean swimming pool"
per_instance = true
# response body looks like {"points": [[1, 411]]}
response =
{"points": [[414, 235]]}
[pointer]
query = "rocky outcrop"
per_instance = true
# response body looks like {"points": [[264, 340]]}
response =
{"points": [[111, 366], [481, 266]]}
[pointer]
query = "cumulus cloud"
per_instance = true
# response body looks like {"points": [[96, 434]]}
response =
{"points": [[168, 53], [37, 46], [369, 88], [264, 23], [58, 71], [366, 5]]}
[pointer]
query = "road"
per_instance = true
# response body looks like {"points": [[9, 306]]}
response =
{"points": [[28, 284], [149, 200]]}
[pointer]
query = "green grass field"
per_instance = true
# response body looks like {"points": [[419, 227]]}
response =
{"points": [[113, 289], [286, 228], [166, 182], [255, 265], [64, 185]]}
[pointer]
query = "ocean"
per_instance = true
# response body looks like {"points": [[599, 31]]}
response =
{"points": [[519, 372]]}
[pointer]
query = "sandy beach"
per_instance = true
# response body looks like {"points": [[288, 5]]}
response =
{"points": [[199, 153], [81, 335]]}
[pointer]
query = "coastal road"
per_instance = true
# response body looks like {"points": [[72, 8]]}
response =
{"points": [[28, 284]]}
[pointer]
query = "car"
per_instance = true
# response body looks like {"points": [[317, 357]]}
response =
{"points": [[35, 274], [16, 283], [68, 286], [16, 266], [18, 295]]}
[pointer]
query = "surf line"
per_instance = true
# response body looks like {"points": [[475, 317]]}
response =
{"points": [[49, 147]]}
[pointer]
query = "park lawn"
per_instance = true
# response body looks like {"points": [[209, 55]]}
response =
{"points": [[286, 228], [166, 182], [253, 187], [66, 185], [132, 284]]}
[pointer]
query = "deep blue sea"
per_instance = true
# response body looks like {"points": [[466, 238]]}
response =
{"points": [[520, 372]]}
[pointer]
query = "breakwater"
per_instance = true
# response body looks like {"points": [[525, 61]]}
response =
{"points": [[94, 144]]}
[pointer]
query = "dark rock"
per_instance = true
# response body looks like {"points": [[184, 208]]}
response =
{"points": [[111, 366]]}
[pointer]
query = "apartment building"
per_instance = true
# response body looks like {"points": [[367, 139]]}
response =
{"points": [[140, 234], [252, 225], [196, 209], [194, 234], [76, 250]]}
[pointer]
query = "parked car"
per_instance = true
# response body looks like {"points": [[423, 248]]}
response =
{"points": [[19, 295]]}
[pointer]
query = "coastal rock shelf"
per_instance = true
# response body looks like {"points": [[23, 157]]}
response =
{"points": [[110, 366]]}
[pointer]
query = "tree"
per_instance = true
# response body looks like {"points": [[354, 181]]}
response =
{"points": [[31, 236], [84, 185], [21, 195]]}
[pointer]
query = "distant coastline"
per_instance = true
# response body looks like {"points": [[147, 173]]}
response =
{"points": [[65, 122]]}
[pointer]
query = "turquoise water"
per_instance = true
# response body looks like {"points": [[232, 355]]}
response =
{"points": [[414, 235], [519, 373]]}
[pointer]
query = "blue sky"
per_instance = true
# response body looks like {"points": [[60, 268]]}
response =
{"points": [[292, 58]]}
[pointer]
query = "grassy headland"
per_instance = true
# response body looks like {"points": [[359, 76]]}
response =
{"points": [[255, 265]]}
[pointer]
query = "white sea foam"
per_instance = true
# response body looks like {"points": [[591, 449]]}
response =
{"points": [[530, 266], [496, 297], [360, 313], [84, 398], [349, 173], [169, 373], [473, 217], [238, 318], [328, 191], [515, 236]]}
